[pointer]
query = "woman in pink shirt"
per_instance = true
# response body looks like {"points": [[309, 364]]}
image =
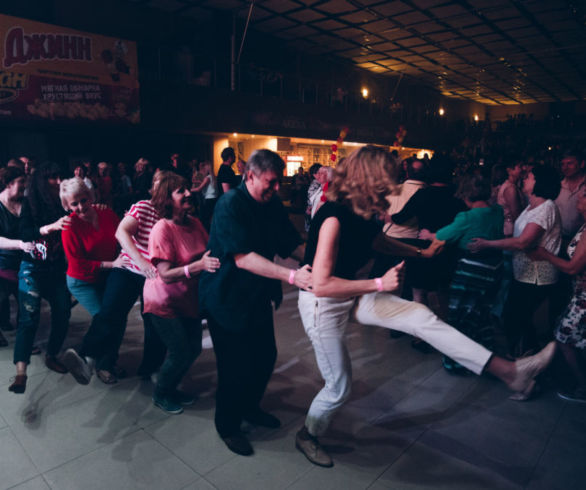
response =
{"points": [[177, 247]]}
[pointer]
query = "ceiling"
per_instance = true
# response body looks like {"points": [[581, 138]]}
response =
{"points": [[490, 51]]}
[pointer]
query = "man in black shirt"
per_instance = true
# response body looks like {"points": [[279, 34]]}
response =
{"points": [[226, 177], [250, 227]]}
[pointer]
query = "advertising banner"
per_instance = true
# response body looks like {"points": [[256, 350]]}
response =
{"points": [[55, 73]]}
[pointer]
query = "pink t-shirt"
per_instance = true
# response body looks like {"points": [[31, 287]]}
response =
{"points": [[180, 245]]}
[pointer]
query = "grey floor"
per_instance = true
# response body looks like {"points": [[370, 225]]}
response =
{"points": [[407, 425]]}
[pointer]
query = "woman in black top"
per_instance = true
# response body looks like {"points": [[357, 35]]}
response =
{"points": [[340, 241], [42, 274], [12, 181]]}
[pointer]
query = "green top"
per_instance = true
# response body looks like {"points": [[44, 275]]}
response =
{"points": [[484, 223]]}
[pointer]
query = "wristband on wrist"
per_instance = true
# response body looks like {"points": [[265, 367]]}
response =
{"points": [[186, 271], [379, 284], [292, 276]]}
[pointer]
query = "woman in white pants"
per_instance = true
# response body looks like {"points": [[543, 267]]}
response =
{"points": [[341, 239]]}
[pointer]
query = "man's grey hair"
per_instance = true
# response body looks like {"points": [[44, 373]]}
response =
{"points": [[263, 161]]}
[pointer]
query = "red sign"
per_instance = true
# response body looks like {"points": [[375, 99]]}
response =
{"points": [[56, 73]]}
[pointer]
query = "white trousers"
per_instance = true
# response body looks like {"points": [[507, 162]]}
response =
{"points": [[325, 320]]}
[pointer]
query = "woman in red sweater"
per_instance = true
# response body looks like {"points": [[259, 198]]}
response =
{"points": [[89, 242]]}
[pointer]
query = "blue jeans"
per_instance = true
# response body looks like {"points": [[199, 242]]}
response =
{"points": [[102, 340], [182, 336], [37, 281], [89, 294]]}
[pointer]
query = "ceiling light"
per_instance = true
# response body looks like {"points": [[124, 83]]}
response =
{"points": [[364, 92], [441, 111]]}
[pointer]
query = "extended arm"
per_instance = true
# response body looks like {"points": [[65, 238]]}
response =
{"points": [[128, 228], [390, 246], [572, 267], [257, 264], [528, 239], [169, 273]]}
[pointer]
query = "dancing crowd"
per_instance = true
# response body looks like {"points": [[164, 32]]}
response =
{"points": [[460, 264]]}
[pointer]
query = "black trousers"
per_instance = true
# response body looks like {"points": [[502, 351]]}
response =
{"points": [[245, 362], [522, 303], [104, 337]]}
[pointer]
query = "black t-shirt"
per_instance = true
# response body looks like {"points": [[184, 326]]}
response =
{"points": [[226, 176], [242, 225], [356, 237], [9, 228], [434, 207]]}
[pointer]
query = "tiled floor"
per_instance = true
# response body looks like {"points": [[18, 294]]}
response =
{"points": [[408, 425]]}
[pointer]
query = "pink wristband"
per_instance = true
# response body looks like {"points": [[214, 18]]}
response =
{"points": [[379, 284], [186, 270], [292, 276]]}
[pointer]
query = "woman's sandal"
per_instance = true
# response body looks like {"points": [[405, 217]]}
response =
{"points": [[527, 394], [19, 384], [106, 377]]}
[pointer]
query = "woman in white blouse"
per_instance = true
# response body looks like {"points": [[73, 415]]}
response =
{"points": [[538, 225]]}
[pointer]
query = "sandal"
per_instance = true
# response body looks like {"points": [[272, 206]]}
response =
{"points": [[19, 384], [106, 377]]}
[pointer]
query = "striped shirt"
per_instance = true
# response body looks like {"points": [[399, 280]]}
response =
{"points": [[145, 214]]}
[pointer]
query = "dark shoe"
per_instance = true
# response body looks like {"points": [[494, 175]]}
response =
{"points": [[54, 365], [312, 449], [19, 384], [453, 368], [182, 398], [7, 327], [422, 346], [3, 341], [167, 404], [119, 372], [106, 377], [79, 368], [238, 444], [263, 419]]}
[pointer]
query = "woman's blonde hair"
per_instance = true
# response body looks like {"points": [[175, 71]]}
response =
{"points": [[363, 181], [72, 187]]}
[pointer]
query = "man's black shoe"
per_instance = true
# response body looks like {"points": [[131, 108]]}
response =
{"points": [[238, 444], [263, 419]]}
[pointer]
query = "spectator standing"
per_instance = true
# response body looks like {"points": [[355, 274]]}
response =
{"points": [[226, 177]]}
